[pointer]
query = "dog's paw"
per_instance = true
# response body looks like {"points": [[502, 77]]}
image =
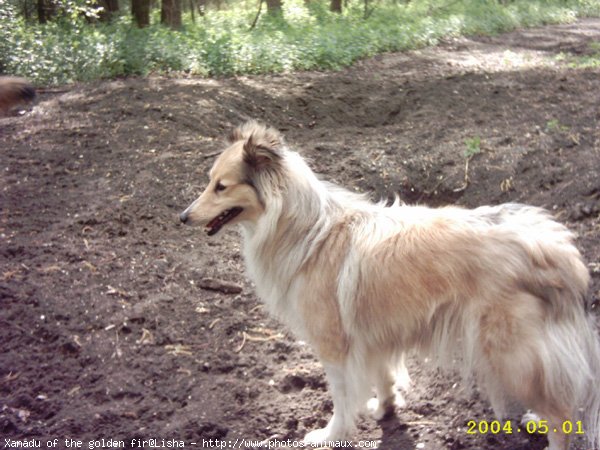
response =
{"points": [[530, 416], [318, 436], [399, 400], [379, 410]]}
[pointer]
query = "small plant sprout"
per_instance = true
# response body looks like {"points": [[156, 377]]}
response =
{"points": [[554, 125], [473, 146]]}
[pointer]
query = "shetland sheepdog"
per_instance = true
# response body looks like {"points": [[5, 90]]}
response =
{"points": [[13, 91], [498, 291]]}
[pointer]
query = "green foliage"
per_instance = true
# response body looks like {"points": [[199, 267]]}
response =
{"points": [[589, 61], [554, 125], [76, 9], [473, 146], [221, 42]]}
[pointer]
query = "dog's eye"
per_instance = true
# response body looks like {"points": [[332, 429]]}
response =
{"points": [[219, 187]]}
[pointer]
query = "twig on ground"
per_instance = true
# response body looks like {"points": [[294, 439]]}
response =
{"points": [[210, 155], [467, 181], [213, 323], [239, 349]]}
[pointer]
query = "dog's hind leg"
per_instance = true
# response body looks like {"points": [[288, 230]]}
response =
{"points": [[558, 441], [557, 438], [552, 427], [533, 362]]}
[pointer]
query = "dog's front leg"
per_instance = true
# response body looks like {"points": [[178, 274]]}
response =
{"points": [[341, 424]]}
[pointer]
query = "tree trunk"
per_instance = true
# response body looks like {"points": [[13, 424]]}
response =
{"points": [[46, 9], [41, 10], [274, 7], [140, 10], [110, 8], [26, 10], [336, 6], [170, 13]]}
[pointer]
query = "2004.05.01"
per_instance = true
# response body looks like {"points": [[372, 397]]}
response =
{"points": [[530, 427]]}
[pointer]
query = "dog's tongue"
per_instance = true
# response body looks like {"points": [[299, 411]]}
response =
{"points": [[212, 231], [217, 223], [214, 226]]}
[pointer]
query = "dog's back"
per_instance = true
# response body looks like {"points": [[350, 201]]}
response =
{"points": [[13, 91]]}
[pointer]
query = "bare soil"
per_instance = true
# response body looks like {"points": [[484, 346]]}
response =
{"points": [[118, 323]]}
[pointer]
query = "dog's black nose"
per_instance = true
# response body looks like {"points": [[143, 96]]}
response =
{"points": [[183, 217]]}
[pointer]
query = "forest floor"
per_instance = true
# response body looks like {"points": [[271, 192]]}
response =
{"points": [[116, 322]]}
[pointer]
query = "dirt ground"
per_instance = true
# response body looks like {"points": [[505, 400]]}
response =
{"points": [[118, 323]]}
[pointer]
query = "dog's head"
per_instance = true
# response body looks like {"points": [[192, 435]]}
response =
{"points": [[238, 179]]}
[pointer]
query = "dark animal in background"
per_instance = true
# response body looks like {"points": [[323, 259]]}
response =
{"points": [[14, 91]]}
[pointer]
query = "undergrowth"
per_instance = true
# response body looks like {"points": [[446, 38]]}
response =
{"points": [[222, 43]]}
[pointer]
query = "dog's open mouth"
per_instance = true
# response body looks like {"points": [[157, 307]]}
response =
{"points": [[217, 223]]}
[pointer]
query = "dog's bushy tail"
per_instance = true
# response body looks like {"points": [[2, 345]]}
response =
{"points": [[15, 90], [563, 281], [558, 276], [556, 271], [591, 407]]}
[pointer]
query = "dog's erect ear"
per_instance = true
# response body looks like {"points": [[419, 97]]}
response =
{"points": [[263, 146], [260, 155]]}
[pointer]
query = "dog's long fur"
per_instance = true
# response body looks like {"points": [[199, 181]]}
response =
{"points": [[13, 91], [499, 289]]}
